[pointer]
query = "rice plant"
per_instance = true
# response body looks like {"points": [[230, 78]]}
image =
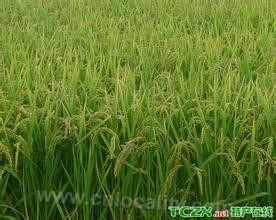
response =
{"points": [[109, 108]]}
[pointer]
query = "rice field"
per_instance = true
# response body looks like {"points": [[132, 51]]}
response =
{"points": [[149, 100]]}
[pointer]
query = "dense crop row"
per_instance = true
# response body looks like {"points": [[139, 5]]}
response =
{"points": [[144, 98]]}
